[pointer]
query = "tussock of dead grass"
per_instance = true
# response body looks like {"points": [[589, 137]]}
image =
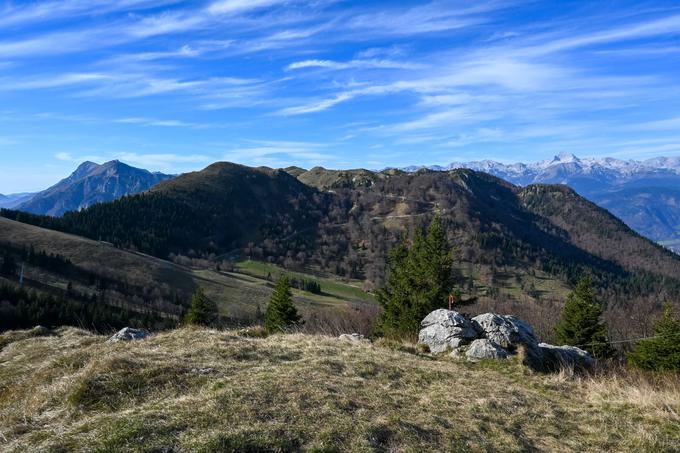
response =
{"points": [[205, 390]]}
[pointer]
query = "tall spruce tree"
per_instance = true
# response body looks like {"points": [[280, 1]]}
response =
{"points": [[281, 313], [419, 282], [437, 265], [662, 351], [203, 311], [580, 324], [394, 298]]}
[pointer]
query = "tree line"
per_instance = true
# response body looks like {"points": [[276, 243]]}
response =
{"points": [[22, 309]]}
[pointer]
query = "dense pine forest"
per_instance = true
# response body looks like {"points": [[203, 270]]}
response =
{"points": [[89, 299]]}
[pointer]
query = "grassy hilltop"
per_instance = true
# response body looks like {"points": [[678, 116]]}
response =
{"points": [[206, 390]]}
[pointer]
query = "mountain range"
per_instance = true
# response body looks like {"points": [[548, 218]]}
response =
{"points": [[517, 248], [13, 200], [91, 183], [644, 194]]}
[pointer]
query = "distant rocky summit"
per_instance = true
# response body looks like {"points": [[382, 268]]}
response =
{"points": [[493, 336], [90, 184]]}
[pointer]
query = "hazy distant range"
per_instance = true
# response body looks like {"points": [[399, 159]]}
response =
{"points": [[644, 194]]}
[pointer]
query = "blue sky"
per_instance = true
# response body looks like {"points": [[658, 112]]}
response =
{"points": [[175, 85]]}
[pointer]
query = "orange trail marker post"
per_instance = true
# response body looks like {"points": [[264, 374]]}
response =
{"points": [[452, 300]]}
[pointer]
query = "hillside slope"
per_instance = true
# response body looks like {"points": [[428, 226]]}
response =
{"points": [[90, 184], [210, 391], [597, 231], [122, 279]]}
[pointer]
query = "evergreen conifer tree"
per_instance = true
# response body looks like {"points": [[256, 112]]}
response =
{"points": [[662, 351], [419, 282], [203, 311], [394, 299], [9, 265], [281, 313], [580, 324], [437, 268]]}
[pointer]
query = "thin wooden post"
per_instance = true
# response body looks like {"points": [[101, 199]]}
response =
{"points": [[452, 300]]}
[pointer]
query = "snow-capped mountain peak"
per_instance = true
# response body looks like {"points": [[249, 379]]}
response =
{"points": [[565, 158]]}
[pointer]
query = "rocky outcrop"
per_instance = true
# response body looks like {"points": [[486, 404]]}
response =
{"points": [[493, 336], [485, 349], [557, 357], [129, 334], [504, 330], [444, 329], [510, 333]]}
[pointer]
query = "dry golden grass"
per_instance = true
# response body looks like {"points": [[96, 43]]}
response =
{"points": [[204, 390]]}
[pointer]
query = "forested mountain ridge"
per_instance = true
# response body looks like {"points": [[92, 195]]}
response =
{"points": [[514, 245], [89, 184], [223, 207], [598, 231]]}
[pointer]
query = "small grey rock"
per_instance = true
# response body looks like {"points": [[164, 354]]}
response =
{"points": [[485, 349], [203, 371], [129, 334], [353, 337], [457, 353]]}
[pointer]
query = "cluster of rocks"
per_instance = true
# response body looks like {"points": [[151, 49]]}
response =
{"points": [[493, 336]]}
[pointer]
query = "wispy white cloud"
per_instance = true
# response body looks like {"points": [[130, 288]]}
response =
{"points": [[163, 24], [427, 18], [64, 156], [52, 81], [665, 124], [318, 106], [503, 73], [19, 13], [241, 6], [168, 162], [186, 51], [136, 85], [142, 121], [280, 153], [162, 161], [446, 118], [634, 31], [355, 64]]}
